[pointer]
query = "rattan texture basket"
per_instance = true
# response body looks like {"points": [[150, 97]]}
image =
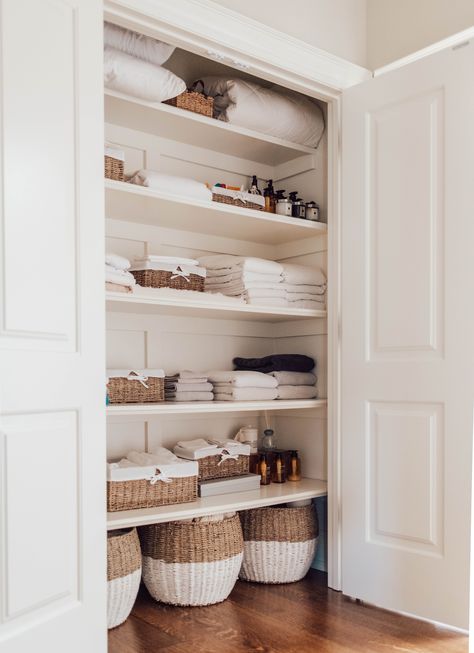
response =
{"points": [[279, 543], [122, 390], [163, 279], [214, 467], [192, 563], [113, 168], [129, 495], [124, 570], [193, 100], [226, 199]]}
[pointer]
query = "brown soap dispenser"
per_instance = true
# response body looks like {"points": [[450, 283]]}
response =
{"points": [[295, 466], [269, 195], [263, 469], [279, 470]]}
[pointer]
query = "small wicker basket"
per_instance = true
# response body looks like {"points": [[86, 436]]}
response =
{"points": [[237, 198], [164, 279], [192, 562], [218, 467], [114, 163], [194, 100], [139, 390], [279, 543], [124, 570]]}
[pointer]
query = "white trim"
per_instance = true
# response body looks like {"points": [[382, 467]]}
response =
{"points": [[453, 41], [204, 27]]}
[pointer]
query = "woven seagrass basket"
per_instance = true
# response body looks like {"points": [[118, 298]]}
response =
{"points": [[279, 543], [193, 100], [164, 279], [226, 199], [215, 467], [113, 168], [192, 563], [129, 495], [124, 570], [123, 390]]}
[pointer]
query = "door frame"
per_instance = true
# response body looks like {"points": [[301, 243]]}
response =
{"points": [[224, 35]]}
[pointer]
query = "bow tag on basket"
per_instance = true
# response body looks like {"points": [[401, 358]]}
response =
{"points": [[225, 455], [141, 378], [180, 273], [159, 476]]}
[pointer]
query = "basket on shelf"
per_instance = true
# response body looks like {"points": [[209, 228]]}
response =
{"points": [[124, 570], [194, 100], [114, 163], [238, 198], [165, 279], [135, 387], [223, 464], [130, 488], [193, 562], [279, 543]]}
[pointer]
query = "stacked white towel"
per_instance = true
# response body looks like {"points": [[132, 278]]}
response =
{"points": [[188, 386], [243, 386], [256, 280], [201, 448], [295, 385], [117, 276], [159, 465], [305, 286]]}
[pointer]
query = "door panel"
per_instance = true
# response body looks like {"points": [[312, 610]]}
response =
{"points": [[407, 352], [52, 424]]}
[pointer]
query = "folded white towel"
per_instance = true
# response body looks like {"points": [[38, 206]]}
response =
{"points": [[297, 392], [249, 264], [120, 277], [303, 274], [172, 184], [188, 376], [223, 448], [248, 394], [132, 374], [307, 303], [252, 293], [240, 286], [297, 296], [238, 275], [138, 45], [139, 78], [313, 289], [116, 261], [125, 470], [294, 378], [193, 396], [173, 388], [199, 444], [160, 456], [177, 260], [242, 379]]}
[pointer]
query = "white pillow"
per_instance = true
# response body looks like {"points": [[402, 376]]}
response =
{"points": [[172, 184], [138, 45], [127, 74], [282, 114]]}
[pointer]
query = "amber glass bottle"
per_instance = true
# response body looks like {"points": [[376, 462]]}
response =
{"points": [[295, 467], [264, 470], [279, 469]]}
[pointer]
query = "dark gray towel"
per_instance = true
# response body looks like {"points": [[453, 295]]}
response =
{"points": [[276, 363]]}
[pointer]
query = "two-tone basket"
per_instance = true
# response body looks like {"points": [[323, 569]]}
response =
{"points": [[124, 571], [179, 280], [279, 543], [193, 562], [114, 160], [134, 487], [135, 386], [194, 100], [238, 198], [224, 464]]}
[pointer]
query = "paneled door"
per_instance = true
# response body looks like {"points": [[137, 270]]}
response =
{"points": [[407, 337], [52, 432]]}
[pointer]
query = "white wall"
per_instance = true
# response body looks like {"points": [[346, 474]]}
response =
{"points": [[396, 28], [337, 26]]}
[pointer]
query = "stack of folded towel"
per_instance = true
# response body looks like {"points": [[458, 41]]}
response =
{"points": [[188, 386], [160, 465], [257, 280], [243, 386], [201, 448], [117, 277], [305, 287], [291, 372]]}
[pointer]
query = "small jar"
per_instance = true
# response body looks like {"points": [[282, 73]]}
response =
{"points": [[298, 209], [284, 206], [295, 467], [269, 440], [312, 211]]}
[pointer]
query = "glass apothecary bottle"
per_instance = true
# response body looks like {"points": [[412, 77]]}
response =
{"points": [[295, 466]]}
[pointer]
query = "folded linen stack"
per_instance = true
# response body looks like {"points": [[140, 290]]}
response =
{"points": [[256, 280], [117, 277], [201, 448], [242, 386], [305, 287], [172, 184], [292, 373], [188, 386], [157, 466]]}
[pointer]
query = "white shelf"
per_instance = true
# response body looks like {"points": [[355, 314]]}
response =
{"points": [[272, 494], [124, 201], [193, 407], [192, 128], [128, 303]]}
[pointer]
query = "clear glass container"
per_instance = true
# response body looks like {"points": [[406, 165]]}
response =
{"points": [[269, 440]]}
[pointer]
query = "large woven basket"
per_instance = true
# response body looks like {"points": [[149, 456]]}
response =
{"points": [[279, 543], [215, 467], [226, 199], [113, 168], [192, 563], [124, 570], [123, 390], [129, 495], [192, 100], [163, 279]]}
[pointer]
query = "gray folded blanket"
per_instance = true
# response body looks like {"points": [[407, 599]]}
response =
{"points": [[294, 378], [297, 392]]}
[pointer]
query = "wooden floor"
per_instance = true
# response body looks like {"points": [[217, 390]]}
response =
{"points": [[302, 617]]}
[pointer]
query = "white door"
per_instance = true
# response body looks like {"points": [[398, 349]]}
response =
{"points": [[52, 442], [407, 337]]}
